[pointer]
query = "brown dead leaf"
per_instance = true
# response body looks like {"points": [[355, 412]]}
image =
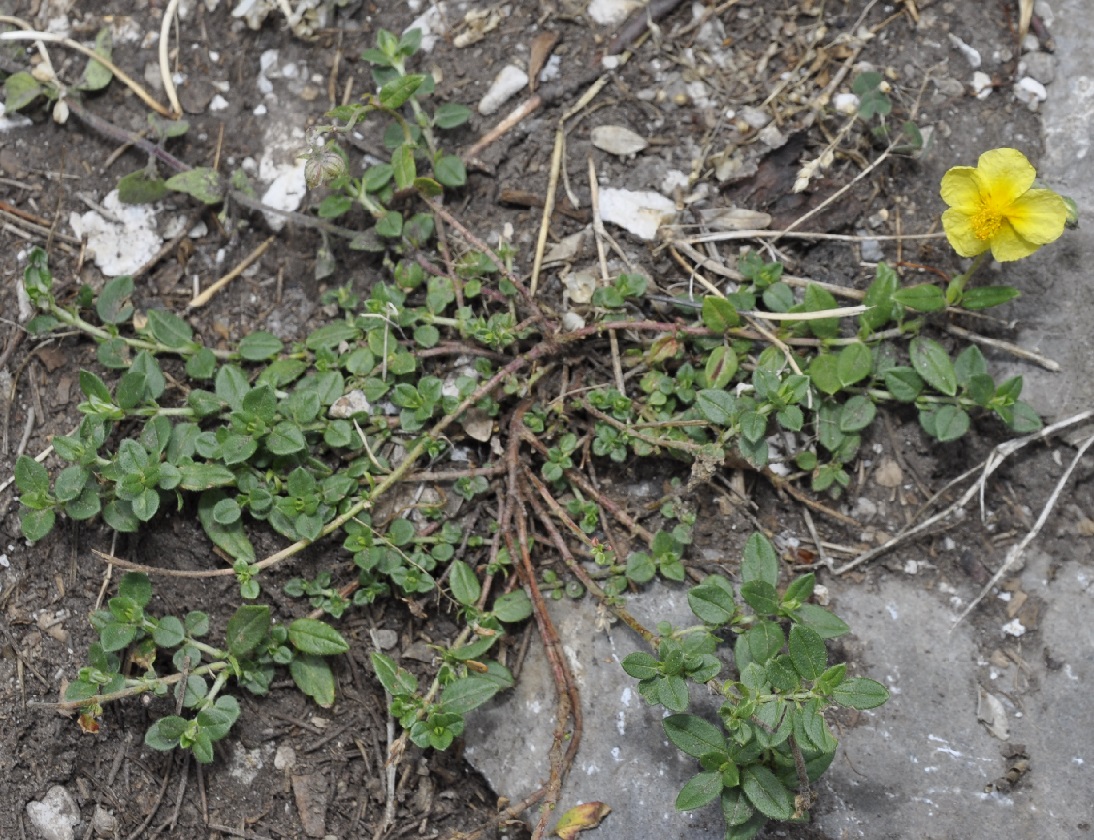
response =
{"points": [[581, 818], [889, 474], [1085, 527], [542, 46]]}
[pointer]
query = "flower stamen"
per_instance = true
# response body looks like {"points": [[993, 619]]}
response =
{"points": [[985, 224]]}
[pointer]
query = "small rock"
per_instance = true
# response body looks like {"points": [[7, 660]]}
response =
{"points": [[771, 137], [754, 117], [640, 213], [286, 192], [618, 140], [991, 712], [950, 88], [350, 404], [981, 84], [104, 823], [385, 639], [1040, 66], [580, 285], [871, 251], [1030, 92], [612, 12], [889, 474], [846, 103], [571, 322], [311, 792], [508, 82], [971, 54], [55, 814], [1014, 628], [285, 758]]}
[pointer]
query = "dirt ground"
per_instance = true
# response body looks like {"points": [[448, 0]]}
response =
{"points": [[668, 92]]}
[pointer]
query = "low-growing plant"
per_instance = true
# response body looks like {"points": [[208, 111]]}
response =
{"points": [[308, 439], [770, 742]]}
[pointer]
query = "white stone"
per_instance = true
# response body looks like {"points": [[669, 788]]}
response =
{"points": [[971, 54], [55, 815], [981, 84], [1030, 92], [508, 82], [286, 192], [618, 140], [638, 212], [1014, 628], [846, 103], [432, 23], [612, 12], [122, 246], [284, 758]]}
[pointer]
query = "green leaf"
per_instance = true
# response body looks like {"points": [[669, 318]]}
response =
{"points": [[856, 414], [259, 346], [464, 584], [247, 628], [985, 297], [169, 329], [854, 363], [202, 183], [736, 809], [758, 644], [451, 115], [807, 652], [764, 790], [903, 383], [712, 603], [860, 693], [948, 423], [169, 632], [96, 76], [932, 362], [403, 168], [229, 537], [694, 735], [197, 476], [112, 305], [641, 665], [395, 680], [760, 561], [761, 596], [716, 406], [31, 477], [700, 790], [879, 297], [35, 524], [20, 89], [317, 637], [926, 297], [824, 372], [467, 693], [719, 314], [314, 677], [399, 90], [164, 734], [450, 171], [513, 606], [285, 439], [826, 624]]}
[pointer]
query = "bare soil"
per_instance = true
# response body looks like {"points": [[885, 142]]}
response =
{"points": [[48, 589]]}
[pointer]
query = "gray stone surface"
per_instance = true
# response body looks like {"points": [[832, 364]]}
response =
{"points": [[1059, 292], [920, 766], [624, 759]]}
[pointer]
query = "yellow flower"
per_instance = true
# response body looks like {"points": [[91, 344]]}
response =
{"points": [[993, 206]]}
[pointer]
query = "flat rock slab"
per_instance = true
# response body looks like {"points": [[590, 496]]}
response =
{"points": [[624, 759]]}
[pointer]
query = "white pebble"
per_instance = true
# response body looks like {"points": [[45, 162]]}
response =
{"points": [[981, 84], [509, 81], [845, 103], [638, 212], [1030, 92]]}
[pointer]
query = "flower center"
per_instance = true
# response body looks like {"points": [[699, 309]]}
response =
{"points": [[985, 224]]}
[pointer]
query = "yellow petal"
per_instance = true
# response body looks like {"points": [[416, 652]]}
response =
{"points": [[958, 227], [1005, 174], [961, 189], [1038, 216], [1007, 245]]}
